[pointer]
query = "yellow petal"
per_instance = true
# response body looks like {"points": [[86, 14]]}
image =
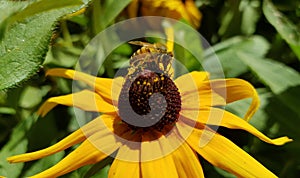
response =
{"points": [[100, 132], [102, 126], [187, 162], [172, 5], [126, 163], [74, 138], [221, 152], [151, 148], [85, 100], [163, 158], [237, 89], [116, 89], [109, 132], [196, 92], [103, 86], [130, 152], [121, 169], [170, 39], [160, 6], [173, 9], [193, 12], [162, 168], [100, 143], [219, 92], [156, 145], [132, 9], [189, 82], [85, 154], [205, 97], [98, 128], [219, 117]]}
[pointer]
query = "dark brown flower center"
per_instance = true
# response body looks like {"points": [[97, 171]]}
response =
{"points": [[151, 100]]}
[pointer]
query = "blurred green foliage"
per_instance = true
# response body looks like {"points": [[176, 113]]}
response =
{"points": [[257, 40]]}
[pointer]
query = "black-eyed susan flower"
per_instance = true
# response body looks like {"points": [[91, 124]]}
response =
{"points": [[175, 9], [154, 125]]}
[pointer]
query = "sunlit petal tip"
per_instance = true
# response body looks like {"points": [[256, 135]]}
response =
{"points": [[60, 72], [74, 138], [85, 154], [11, 160], [253, 107], [220, 117], [45, 108], [50, 103], [247, 91], [282, 140], [75, 75]]}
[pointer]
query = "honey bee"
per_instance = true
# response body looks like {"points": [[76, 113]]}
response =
{"points": [[152, 57]]}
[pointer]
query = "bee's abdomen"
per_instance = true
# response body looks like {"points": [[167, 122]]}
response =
{"points": [[144, 50]]}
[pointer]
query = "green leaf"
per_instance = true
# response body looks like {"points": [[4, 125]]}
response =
{"points": [[111, 10], [288, 119], [251, 15], [289, 31], [189, 54], [290, 97], [281, 23], [287, 5], [227, 51], [230, 19], [123, 49], [25, 45], [296, 49], [282, 80], [274, 74], [16, 145], [42, 6], [7, 110], [7, 10], [224, 173], [30, 97], [103, 15], [21, 11]]}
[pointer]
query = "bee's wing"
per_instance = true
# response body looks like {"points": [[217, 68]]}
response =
{"points": [[140, 43]]}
